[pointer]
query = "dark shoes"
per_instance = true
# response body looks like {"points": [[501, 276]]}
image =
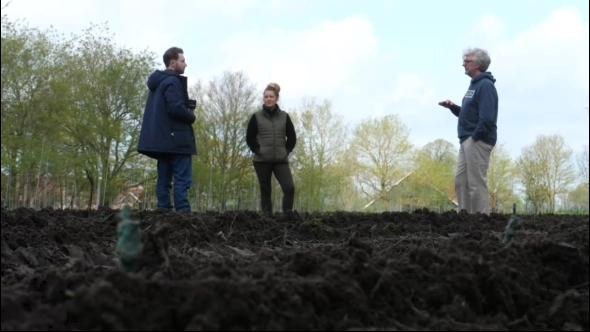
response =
{"points": [[291, 215]]}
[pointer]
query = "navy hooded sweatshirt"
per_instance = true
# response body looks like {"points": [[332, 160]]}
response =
{"points": [[167, 121], [478, 113]]}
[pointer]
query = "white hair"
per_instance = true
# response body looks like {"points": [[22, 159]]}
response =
{"points": [[481, 57]]}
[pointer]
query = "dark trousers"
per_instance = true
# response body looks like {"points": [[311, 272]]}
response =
{"points": [[282, 172], [177, 167]]}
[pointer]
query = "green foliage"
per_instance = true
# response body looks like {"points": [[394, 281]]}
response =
{"points": [[68, 105], [578, 199], [318, 163], [546, 172], [435, 176], [383, 154], [501, 181]]}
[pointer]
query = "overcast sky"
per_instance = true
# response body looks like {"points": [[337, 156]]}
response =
{"points": [[369, 58]]}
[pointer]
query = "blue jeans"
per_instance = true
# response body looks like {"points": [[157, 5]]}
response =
{"points": [[180, 168]]}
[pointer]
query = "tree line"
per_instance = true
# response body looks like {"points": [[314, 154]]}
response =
{"points": [[72, 109]]}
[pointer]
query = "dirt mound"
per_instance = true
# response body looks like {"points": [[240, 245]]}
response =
{"points": [[242, 270]]}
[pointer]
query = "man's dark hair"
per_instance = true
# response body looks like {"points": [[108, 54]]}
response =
{"points": [[172, 54]]}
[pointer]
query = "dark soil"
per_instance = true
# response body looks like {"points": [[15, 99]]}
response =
{"points": [[334, 271]]}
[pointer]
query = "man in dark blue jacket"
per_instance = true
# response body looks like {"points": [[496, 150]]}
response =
{"points": [[477, 115], [167, 133]]}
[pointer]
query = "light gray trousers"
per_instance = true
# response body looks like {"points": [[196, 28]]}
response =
{"points": [[471, 178]]}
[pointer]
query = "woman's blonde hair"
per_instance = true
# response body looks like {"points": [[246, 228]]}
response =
{"points": [[273, 87]]}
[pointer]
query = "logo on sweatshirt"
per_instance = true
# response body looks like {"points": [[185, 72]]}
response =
{"points": [[469, 93]]}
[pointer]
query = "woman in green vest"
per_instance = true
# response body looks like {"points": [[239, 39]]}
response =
{"points": [[271, 137]]}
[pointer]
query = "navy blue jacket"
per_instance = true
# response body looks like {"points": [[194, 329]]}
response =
{"points": [[478, 113], [167, 121]]}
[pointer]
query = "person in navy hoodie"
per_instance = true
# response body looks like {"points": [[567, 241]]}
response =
{"points": [[167, 134], [478, 115]]}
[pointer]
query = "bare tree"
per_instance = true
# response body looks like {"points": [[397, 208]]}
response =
{"points": [[321, 142], [583, 164], [228, 101]]}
